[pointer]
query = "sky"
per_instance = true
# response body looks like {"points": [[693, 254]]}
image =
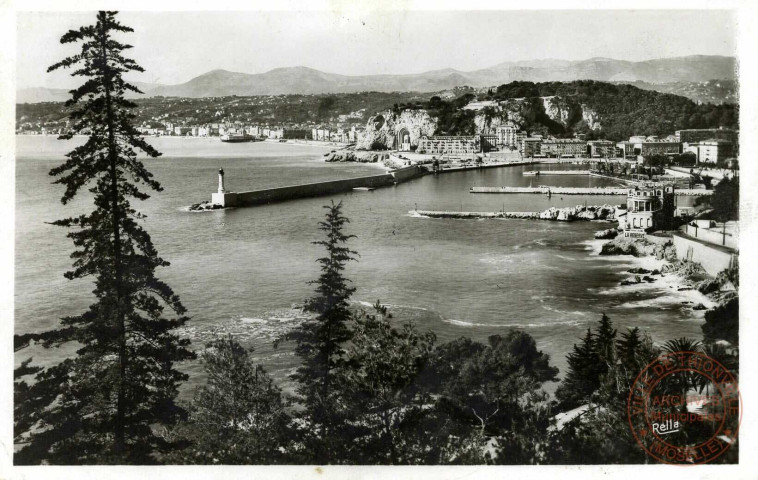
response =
{"points": [[175, 47]]}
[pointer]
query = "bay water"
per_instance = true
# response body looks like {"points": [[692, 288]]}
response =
{"points": [[245, 271]]}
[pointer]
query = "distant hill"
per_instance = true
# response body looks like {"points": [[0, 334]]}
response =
{"points": [[712, 91], [42, 94], [303, 80]]}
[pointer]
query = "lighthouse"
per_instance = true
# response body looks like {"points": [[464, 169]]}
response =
{"points": [[221, 180], [223, 197]]}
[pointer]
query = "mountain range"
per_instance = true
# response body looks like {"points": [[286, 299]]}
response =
{"points": [[304, 80]]}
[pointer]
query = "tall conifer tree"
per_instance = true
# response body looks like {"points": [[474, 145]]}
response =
{"points": [[320, 342], [103, 404]]}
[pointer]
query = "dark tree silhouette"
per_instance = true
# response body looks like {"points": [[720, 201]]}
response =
{"points": [[103, 404], [320, 341]]}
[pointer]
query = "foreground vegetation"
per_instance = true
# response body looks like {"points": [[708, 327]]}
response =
{"points": [[370, 389]]}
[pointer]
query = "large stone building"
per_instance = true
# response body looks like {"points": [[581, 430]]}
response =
{"points": [[530, 147], [601, 148], [647, 148], [507, 136], [648, 208], [448, 145], [564, 147], [711, 151]]}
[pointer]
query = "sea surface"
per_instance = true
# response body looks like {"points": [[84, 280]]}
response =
{"points": [[245, 271]]}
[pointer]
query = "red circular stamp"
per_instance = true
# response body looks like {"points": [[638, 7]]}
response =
{"points": [[684, 408]]}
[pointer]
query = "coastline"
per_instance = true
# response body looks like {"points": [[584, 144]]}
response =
{"points": [[672, 288]]}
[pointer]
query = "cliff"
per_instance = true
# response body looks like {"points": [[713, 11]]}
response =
{"points": [[383, 129], [551, 114]]}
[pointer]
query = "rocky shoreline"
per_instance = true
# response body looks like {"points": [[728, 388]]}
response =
{"points": [[691, 274]]}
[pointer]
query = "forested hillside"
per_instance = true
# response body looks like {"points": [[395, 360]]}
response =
{"points": [[598, 109], [624, 110]]}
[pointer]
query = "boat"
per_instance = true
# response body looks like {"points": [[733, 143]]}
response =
{"points": [[532, 172], [237, 138], [363, 189]]}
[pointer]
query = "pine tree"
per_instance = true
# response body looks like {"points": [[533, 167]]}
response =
{"points": [[629, 348], [605, 343], [382, 389], [320, 341], [239, 416], [579, 382], [101, 406]]}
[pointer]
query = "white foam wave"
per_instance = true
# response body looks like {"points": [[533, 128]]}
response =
{"points": [[252, 320], [463, 323]]}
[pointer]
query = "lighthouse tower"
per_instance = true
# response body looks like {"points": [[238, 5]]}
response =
{"points": [[223, 197], [221, 181]]}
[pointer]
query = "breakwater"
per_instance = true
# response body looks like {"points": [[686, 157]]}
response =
{"points": [[447, 168], [576, 190], [563, 214], [281, 194], [556, 172]]}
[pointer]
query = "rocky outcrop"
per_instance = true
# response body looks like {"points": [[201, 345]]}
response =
{"points": [[591, 118], [557, 109], [353, 156], [607, 234], [204, 206], [515, 111], [637, 247], [523, 112], [383, 129]]}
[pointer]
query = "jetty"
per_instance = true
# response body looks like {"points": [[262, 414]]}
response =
{"points": [[447, 168], [224, 198], [561, 214], [555, 172], [577, 190]]}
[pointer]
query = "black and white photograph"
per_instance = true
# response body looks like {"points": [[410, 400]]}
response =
{"points": [[344, 238]]}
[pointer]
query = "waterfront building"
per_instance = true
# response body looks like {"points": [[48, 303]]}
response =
{"points": [[632, 149], [530, 147], [487, 143], [601, 148], [563, 147], [649, 207], [694, 135], [711, 151], [296, 133], [506, 136], [448, 145], [659, 148], [626, 149]]}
